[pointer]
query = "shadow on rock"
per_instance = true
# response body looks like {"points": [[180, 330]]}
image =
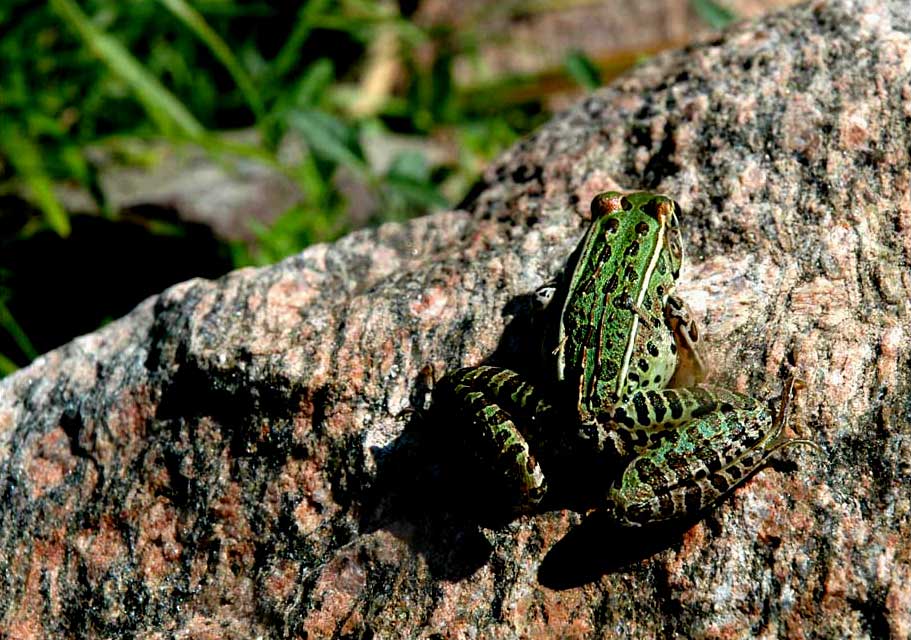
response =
{"points": [[422, 494], [599, 546], [428, 489]]}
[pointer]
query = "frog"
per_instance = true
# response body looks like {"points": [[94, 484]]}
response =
{"points": [[624, 392]]}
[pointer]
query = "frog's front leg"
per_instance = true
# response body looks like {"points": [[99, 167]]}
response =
{"points": [[690, 465], [504, 412], [691, 368]]}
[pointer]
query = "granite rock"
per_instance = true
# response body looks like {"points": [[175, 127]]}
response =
{"points": [[250, 457]]}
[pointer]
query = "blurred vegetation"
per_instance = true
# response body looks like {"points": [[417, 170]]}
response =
{"points": [[78, 75]]}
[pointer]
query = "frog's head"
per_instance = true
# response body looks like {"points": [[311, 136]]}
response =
{"points": [[664, 210]]}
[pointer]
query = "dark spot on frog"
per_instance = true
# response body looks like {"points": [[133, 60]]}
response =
{"points": [[609, 369], [642, 228], [630, 273], [726, 407], [622, 301], [643, 365], [633, 248], [642, 416], [652, 351], [674, 403], [673, 347], [621, 417], [514, 450], [753, 439], [625, 204], [612, 224]]}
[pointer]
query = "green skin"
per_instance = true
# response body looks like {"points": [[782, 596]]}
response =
{"points": [[622, 338]]}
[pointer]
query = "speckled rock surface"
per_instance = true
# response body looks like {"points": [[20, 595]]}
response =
{"points": [[232, 460]]}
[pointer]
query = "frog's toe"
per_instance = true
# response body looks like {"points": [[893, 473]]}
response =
{"points": [[533, 484], [534, 496]]}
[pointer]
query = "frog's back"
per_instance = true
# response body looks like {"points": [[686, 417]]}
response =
{"points": [[613, 338]]}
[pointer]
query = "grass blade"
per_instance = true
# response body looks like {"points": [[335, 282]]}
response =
{"points": [[290, 51], [713, 14], [165, 109], [25, 156], [326, 137], [194, 21], [8, 323], [7, 366], [583, 70]]}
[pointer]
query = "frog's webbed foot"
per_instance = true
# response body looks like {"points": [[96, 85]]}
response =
{"points": [[792, 385], [499, 405], [691, 366]]}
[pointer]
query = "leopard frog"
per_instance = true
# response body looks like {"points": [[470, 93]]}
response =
{"points": [[615, 331], [622, 337]]}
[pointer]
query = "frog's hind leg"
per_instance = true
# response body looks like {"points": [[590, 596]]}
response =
{"points": [[697, 463], [651, 415], [496, 402]]}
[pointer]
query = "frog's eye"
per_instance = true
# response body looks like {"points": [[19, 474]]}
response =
{"points": [[661, 208], [652, 208]]}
